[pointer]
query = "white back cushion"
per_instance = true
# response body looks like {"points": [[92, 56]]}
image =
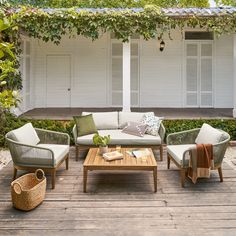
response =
{"points": [[208, 135], [104, 120], [125, 117], [25, 134]]}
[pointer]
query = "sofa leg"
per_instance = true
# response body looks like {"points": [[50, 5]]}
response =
{"points": [[220, 174], [183, 175], [161, 152], [14, 173], [53, 174], [67, 162], [76, 153], [168, 161]]}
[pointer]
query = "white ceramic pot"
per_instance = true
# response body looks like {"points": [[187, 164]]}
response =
{"points": [[103, 150]]}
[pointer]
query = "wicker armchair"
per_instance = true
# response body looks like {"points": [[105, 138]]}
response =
{"points": [[180, 144], [33, 148]]}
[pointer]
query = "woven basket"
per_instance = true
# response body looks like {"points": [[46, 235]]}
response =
{"points": [[28, 191]]}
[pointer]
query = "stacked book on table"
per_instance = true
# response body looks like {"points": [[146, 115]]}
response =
{"points": [[138, 153], [111, 156], [116, 155]]}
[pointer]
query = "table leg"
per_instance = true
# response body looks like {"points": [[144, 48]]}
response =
{"points": [[155, 179], [85, 178]]}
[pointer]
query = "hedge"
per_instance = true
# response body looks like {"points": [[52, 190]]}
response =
{"points": [[228, 125]]}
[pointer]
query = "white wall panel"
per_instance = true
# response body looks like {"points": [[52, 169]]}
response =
{"points": [[88, 70], [224, 72], [161, 73]]}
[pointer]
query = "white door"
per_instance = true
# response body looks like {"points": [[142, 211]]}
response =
{"points": [[58, 80], [198, 77]]}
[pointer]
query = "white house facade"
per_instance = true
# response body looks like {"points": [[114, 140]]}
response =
{"points": [[195, 69]]}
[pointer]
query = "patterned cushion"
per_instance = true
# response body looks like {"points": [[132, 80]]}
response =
{"points": [[135, 128], [153, 122]]}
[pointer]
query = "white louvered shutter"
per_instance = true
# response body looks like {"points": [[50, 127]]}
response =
{"points": [[199, 74]]}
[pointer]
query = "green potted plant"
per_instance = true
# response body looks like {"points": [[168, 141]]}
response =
{"points": [[102, 142]]}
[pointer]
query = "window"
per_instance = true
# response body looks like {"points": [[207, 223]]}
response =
{"points": [[198, 35]]}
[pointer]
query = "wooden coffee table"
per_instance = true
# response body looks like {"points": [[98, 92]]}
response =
{"points": [[94, 161]]}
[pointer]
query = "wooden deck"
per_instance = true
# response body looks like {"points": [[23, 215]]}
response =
{"points": [[123, 203]]}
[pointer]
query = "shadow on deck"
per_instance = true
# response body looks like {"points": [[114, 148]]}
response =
{"points": [[167, 113]]}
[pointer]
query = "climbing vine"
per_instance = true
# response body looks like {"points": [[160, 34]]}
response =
{"points": [[150, 22]]}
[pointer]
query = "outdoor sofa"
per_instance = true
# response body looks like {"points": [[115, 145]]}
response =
{"points": [[112, 123]]}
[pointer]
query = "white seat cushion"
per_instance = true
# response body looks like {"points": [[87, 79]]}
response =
{"points": [[104, 120], [208, 135], [125, 117], [177, 152], [120, 138], [25, 134], [41, 157]]}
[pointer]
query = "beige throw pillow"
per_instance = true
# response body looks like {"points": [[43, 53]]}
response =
{"points": [[135, 128], [208, 135]]}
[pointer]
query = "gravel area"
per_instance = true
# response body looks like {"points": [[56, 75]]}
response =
{"points": [[5, 157], [230, 156]]}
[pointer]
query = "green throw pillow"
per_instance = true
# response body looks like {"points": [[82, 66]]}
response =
{"points": [[85, 125]]}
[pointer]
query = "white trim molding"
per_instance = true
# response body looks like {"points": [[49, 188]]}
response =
{"points": [[234, 79], [126, 76]]}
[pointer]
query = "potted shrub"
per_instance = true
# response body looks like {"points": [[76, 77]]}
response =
{"points": [[102, 142]]}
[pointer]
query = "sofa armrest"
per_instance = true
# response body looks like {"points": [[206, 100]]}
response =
{"points": [[52, 137], [184, 137], [17, 150], [74, 133], [162, 132]]}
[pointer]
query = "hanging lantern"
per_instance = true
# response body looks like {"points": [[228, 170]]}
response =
{"points": [[162, 45]]}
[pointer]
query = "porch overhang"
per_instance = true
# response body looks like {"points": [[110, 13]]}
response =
{"points": [[155, 14]]}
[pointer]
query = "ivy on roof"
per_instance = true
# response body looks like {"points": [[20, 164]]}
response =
{"points": [[149, 22]]}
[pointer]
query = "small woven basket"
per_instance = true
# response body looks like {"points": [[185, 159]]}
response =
{"points": [[28, 191]]}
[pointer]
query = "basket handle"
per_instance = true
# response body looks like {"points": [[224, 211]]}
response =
{"points": [[17, 188], [39, 174]]}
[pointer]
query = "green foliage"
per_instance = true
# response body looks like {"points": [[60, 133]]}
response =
{"points": [[226, 2], [148, 23], [227, 125], [102, 141], [172, 126], [110, 3], [8, 97], [194, 3]]}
